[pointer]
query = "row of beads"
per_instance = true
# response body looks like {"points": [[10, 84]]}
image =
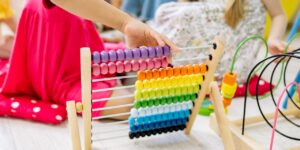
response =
{"points": [[171, 91], [127, 66], [158, 125], [165, 100], [169, 82], [134, 113], [228, 87], [137, 53], [159, 118], [169, 72], [133, 135]]}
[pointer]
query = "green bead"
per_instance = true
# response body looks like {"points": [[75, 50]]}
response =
{"points": [[175, 99], [193, 97], [137, 104], [181, 98], [163, 101], [144, 103], [187, 97], [156, 102], [150, 103]]}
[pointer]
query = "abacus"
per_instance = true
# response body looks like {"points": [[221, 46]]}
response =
{"points": [[166, 99]]}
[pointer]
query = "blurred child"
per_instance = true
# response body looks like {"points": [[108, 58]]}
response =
{"points": [[45, 64]]}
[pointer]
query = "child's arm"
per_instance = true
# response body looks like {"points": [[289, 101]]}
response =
{"points": [[137, 33], [279, 23]]}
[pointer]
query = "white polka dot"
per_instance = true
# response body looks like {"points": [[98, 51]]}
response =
{"points": [[1, 72], [12, 98], [58, 117], [36, 109], [15, 105], [12, 110], [33, 116], [261, 82], [7, 65], [54, 106], [241, 86], [33, 101]]}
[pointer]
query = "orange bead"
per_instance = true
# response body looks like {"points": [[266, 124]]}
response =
{"points": [[230, 78], [183, 70], [169, 71], [203, 68], [141, 75], [155, 73], [197, 68], [226, 102], [148, 74], [163, 72], [176, 71], [190, 69]]}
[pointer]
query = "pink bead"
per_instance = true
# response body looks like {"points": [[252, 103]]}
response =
{"points": [[150, 64], [164, 62], [135, 65], [120, 67], [104, 68], [112, 68], [127, 66], [143, 64], [96, 70], [157, 63]]}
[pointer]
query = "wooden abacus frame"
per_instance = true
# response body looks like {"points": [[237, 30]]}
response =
{"points": [[208, 86]]}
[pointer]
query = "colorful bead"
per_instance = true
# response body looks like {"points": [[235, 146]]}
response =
{"points": [[227, 90], [133, 112], [120, 67], [151, 51], [138, 85], [203, 68], [104, 56], [163, 72], [173, 81], [150, 64], [158, 51], [112, 67], [171, 91], [155, 73], [128, 54], [230, 78], [137, 95], [184, 90], [112, 55], [145, 94], [144, 53], [146, 84], [141, 75], [190, 69], [153, 83], [148, 74], [96, 70], [176, 71], [104, 68], [183, 70], [197, 68], [143, 64], [164, 62], [159, 83], [166, 50], [127, 66], [135, 65], [120, 55], [157, 63], [169, 71], [96, 57], [136, 53]]}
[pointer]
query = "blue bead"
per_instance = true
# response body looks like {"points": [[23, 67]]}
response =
{"points": [[152, 118], [131, 121], [181, 114], [139, 120], [179, 122], [151, 126], [176, 115], [162, 124], [157, 125], [96, 57], [174, 122], [147, 119], [184, 121], [165, 117], [170, 116], [168, 123], [158, 117], [146, 126]]}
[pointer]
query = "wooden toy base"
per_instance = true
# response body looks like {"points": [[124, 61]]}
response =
{"points": [[246, 142]]}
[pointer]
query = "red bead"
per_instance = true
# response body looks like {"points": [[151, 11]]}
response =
{"points": [[120, 67]]}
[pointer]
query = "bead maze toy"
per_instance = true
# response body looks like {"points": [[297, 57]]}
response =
{"points": [[240, 139], [166, 99]]}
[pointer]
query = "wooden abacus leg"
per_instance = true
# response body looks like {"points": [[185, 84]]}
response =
{"points": [[216, 54], [73, 125], [222, 121]]}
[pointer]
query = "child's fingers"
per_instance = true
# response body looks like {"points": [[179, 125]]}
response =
{"points": [[170, 43]]}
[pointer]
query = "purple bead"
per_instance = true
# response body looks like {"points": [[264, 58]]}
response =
{"points": [[166, 50], [96, 57], [112, 55], [136, 53], [120, 54], [144, 53], [151, 51], [128, 54], [104, 56], [158, 51]]}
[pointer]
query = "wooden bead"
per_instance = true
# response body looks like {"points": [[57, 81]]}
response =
{"points": [[190, 69], [79, 107], [141, 75], [162, 72], [176, 71], [183, 70], [155, 73], [203, 68], [169, 71], [148, 74]]}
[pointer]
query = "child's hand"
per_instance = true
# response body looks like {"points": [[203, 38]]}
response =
{"points": [[138, 34], [277, 46]]}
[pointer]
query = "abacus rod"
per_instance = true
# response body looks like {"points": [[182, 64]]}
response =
{"points": [[112, 98], [112, 107], [196, 47], [111, 116], [114, 88], [111, 123], [110, 131], [109, 138], [114, 78], [189, 59]]}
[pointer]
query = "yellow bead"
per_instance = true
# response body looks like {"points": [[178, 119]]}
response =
{"points": [[146, 84], [180, 81], [193, 78], [227, 90], [152, 83], [145, 94], [167, 82], [190, 89], [165, 92], [184, 89], [211, 107], [137, 95], [159, 83], [173, 81], [138, 85], [186, 80], [178, 90], [158, 92], [199, 78], [196, 88], [171, 91], [152, 94]]}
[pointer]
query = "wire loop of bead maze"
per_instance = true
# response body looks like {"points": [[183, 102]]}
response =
{"points": [[167, 99]]}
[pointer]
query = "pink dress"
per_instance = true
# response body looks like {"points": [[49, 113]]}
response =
{"points": [[44, 69]]}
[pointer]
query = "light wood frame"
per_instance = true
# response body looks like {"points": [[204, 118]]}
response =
{"points": [[208, 86]]}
